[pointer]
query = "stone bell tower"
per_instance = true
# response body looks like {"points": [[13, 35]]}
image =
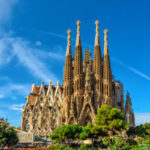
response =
{"points": [[78, 72], [107, 74], [97, 68], [68, 81]]}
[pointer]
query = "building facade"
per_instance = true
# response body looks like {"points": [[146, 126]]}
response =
{"points": [[87, 85]]}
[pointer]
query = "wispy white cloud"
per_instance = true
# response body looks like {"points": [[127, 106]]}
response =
{"points": [[17, 47], [17, 107], [11, 89], [56, 52], [56, 35], [38, 43], [2, 96], [137, 72], [141, 118], [6, 10], [20, 48]]}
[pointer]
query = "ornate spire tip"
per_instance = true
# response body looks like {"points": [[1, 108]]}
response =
{"points": [[97, 22], [105, 31], [78, 23], [69, 31]]}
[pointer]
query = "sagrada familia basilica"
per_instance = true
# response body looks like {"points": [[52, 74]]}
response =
{"points": [[87, 85]]}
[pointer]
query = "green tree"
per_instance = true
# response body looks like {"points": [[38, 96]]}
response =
{"points": [[142, 130], [8, 136], [106, 141], [65, 133], [110, 119], [87, 132]]}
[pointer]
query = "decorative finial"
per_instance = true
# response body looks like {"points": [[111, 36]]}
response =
{"points": [[68, 51], [97, 23], [69, 37], [42, 82], [97, 42], [50, 82], [78, 41], [78, 26], [105, 37]]}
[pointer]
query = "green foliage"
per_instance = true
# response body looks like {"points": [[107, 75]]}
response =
{"points": [[142, 130], [8, 136], [106, 141], [131, 142], [87, 132], [66, 133], [59, 147], [116, 143], [110, 119], [86, 147]]}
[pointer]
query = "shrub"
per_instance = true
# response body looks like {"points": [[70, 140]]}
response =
{"points": [[86, 147]]}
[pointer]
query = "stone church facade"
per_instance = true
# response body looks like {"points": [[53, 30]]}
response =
{"points": [[87, 85]]}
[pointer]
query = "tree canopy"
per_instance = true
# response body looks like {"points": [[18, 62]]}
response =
{"points": [[110, 119], [8, 136], [66, 133], [142, 130]]}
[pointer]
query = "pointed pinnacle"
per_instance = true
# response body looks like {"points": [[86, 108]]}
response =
{"points": [[69, 33], [78, 26], [97, 23], [105, 33]]}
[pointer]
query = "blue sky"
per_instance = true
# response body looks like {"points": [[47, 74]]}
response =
{"points": [[33, 44]]}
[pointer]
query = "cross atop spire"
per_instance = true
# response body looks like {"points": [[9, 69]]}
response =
{"points": [[68, 52], [97, 43], [78, 41]]}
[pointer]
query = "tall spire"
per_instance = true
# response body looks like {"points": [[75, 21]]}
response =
{"points": [[129, 115], [78, 40], [68, 61], [97, 43], [97, 67], [107, 69], [68, 51], [105, 43], [78, 62], [97, 64], [67, 81], [78, 71], [107, 74]]}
